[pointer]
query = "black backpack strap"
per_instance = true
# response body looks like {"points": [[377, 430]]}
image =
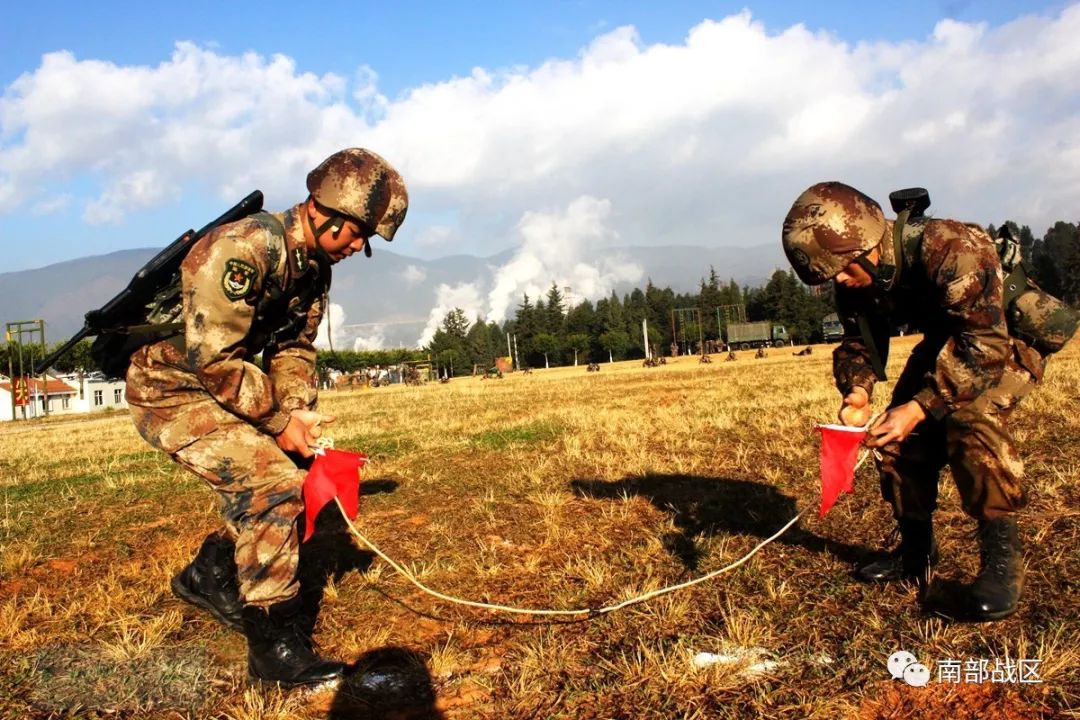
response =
{"points": [[871, 346], [1015, 284]]}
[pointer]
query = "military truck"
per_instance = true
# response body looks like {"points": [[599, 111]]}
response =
{"points": [[831, 328], [743, 336]]}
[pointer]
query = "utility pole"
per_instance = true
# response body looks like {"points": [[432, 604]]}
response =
{"points": [[645, 335], [34, 332]]}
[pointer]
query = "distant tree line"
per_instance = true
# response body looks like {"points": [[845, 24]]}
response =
{"points": [[546, 331], [29, 354]]}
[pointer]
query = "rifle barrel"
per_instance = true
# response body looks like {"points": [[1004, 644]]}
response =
{"points": [[102, 319], [64, 349]]}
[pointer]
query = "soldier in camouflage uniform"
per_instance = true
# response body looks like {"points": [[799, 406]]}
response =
{"points": [[958, 388], [258, 286]]}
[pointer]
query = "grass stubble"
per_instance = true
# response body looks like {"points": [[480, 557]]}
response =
{"points": [[557, 489]]}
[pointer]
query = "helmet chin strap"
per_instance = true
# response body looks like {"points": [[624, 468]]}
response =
{"points": [[884, 275], [334, 223]]}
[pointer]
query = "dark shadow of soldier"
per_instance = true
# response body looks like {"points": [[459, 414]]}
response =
{"points": [[390, 683], [330, 553], [711, 506], [385, 684]]}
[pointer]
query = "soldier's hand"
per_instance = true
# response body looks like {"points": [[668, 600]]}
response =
{"points": [[855, 411], [896, 424], [296, 437], [313, 421]]}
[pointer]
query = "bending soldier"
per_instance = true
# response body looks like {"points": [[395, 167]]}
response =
{"points": [[958, 388], [259, 286]]}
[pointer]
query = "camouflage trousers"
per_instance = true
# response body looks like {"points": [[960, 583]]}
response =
{"points": [[259, 485], [975, 443]]}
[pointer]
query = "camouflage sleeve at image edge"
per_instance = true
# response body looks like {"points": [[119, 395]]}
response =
{"points": [[964, 267], [222, 276]]}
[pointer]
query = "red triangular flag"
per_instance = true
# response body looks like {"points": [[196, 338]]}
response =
{"points": [[839, 448], [333, 474]]}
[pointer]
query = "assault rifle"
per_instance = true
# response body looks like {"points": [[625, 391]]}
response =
{"points": [[119, 313]]}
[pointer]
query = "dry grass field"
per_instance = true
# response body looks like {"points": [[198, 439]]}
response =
{"points": [[557, 489]]}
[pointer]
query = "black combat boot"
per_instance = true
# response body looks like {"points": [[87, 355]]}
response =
{"points": [[210, 583], [911, 560], [279, 650], [995, 593]]}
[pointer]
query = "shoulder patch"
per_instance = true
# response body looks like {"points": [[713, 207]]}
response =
{"points": [[239, 279]]}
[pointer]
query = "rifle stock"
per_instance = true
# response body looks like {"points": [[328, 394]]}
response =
{"points": [[116, 312]]}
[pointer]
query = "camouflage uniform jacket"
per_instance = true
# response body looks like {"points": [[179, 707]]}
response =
{"points": [[246, 289], [949, 284]]}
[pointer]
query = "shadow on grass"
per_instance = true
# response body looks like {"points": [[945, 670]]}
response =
{"points": [[330, 553], [717, 506], [390, 683]]}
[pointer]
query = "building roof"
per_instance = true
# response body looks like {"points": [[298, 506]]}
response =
{"points": [[36, 387]]}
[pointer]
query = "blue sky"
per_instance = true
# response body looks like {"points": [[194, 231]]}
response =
{"points": [[566, 125], [411, 43]]}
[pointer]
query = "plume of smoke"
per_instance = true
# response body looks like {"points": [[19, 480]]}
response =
{"points": [[566, 248], [465, 296], [562, 246], [413, 275], [374, 339], [332, 327]]}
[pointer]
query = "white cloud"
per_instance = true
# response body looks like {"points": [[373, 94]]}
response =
{"points": [[50, 205], [436, 237], [706, 141]]}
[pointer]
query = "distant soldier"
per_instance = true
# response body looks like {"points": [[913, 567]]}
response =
{"points": [[761, 353], [259, 286], [959, 386], [730, 356], [803, 352], [705, 360]]}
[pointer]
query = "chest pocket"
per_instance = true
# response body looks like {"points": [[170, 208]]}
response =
{"points": [[283, 315]]}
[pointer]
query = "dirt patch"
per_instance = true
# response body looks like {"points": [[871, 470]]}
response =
{"points": [[62, 566], [956, 702]]}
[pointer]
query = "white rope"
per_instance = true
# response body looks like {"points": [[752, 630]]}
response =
{"points": [[583, 611]]}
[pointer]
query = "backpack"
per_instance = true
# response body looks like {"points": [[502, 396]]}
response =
{"points": [[147, 310], [1032, 314]]}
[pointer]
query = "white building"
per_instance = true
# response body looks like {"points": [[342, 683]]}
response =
{"points": [[96, 392], [66, 394], [62, 398]]}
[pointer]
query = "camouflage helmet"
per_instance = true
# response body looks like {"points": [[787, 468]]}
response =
{"points": [[829, 226], [362, 186]]}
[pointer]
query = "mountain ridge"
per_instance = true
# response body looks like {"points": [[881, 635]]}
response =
{"points": [[391, 289]]}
